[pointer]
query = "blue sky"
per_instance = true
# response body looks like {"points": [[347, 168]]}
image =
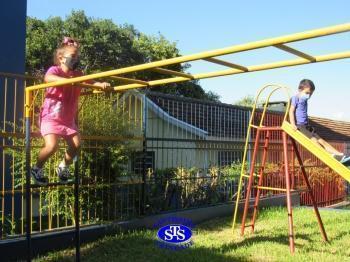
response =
{"points": [[204, 25]]}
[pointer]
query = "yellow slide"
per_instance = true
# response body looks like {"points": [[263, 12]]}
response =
{"points": [[317, 150]]}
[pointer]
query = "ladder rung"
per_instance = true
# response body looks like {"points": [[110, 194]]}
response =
{"points": [[263, 147], [250, 225], [271, 188], [253, 175], [282, 189]]}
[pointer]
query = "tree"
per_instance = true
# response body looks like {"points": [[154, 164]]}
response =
{"points": [[247, 101], [105, 46]]}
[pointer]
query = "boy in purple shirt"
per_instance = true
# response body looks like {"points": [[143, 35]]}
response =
{"points": [[299, 119]]}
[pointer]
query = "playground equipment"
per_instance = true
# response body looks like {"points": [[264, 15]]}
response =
{"points": [[174, 77], [264, 133], [295, 136]]}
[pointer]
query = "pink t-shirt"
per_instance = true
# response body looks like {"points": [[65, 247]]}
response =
{"points": [[61, 102]]}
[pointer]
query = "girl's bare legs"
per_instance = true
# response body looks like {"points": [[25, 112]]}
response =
{"points": [[51, 146], [62, 170], [73, 143]]}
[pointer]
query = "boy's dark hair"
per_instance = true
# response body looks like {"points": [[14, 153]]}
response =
{"points": [[305, 83]]}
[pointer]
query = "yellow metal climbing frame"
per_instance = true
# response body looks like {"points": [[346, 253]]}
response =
{"points": [[211, 57]]}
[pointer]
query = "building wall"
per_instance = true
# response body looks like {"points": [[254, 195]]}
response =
{"points": [[170, 153], [12, 60], [165, 139], [174, 146], [13, 33]]}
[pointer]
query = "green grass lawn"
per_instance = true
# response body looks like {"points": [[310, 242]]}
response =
{"points": [[214, 241]]}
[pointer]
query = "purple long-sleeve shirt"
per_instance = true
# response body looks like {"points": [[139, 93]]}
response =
{"points": [[300, 105]]}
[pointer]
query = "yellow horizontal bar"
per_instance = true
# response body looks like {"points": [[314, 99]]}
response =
{"points": [[271, 188], [296, 52], [225, 63], [18, 76], [89, 92], [317, 150], [60, 228], [129, 80], [256, 175], [254, 68], [224, 51], [87, 85], [171, 72], [58, 185], [91, 137], [111, 138]]}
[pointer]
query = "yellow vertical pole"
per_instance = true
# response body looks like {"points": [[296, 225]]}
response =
{"points": [[28, 186]]}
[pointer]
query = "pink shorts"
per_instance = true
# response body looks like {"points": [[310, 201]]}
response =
{"points": [[57, 127]]}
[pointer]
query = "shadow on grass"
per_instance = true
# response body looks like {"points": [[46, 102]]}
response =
{"points": [[137, 247], [339, 236], [141, 245], [256, 239]]}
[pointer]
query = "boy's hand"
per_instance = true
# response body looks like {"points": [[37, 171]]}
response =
{"points": [[295, 128], [103, 85]]}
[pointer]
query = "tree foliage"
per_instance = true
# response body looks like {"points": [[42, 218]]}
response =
{"points": [[247, 101], [105, 46]]}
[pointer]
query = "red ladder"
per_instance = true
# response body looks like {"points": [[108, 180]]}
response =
{"points": [[288, 190]]}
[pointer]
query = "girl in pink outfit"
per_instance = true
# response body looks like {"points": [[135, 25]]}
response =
{"points": [[58, 117]]}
